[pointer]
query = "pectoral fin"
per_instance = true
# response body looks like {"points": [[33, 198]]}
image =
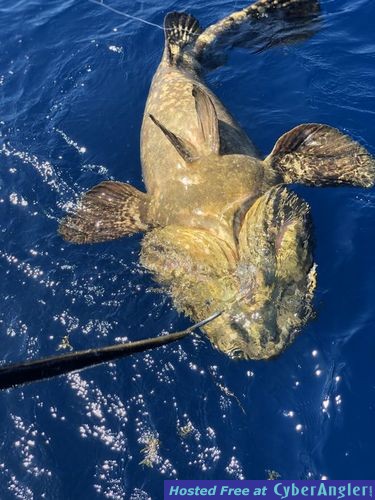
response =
{"points": [[108, 211], [319, 155], [276, 268], [262, 24], [268, 222], [194, 265]]}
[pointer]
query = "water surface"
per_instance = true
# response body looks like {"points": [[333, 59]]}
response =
{"points": [[73, 83]]}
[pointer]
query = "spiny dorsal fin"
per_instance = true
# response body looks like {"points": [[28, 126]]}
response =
{"points": [[320, 155], [181, 30], [184, 148], [108, 211], [207, 118]]}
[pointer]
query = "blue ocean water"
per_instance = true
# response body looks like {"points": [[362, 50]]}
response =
{"points": [[73, 83]]}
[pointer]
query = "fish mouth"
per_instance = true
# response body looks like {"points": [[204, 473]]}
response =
{"points": [[262, 312], [246, 333], [264, 320]]}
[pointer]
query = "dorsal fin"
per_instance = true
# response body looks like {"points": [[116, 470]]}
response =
{"points": [[181, 30], [184, 148], [207, 119]]}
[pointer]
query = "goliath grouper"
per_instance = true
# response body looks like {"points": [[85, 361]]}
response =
{"points": [[222, 231]]}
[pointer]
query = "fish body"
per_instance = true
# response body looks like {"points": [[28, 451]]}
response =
{"points": [[222, 232], [179, 189]]}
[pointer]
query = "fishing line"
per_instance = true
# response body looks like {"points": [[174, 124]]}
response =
{"points": [[124, 14], [134, 18]]}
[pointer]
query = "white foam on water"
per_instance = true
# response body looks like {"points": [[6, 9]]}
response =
{"points": [[43, 168], [71, 142], [28, 443], [17, 199], [117, 49], [234, 469]]}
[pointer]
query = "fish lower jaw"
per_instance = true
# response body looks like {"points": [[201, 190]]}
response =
{"points": [[248, 339]]}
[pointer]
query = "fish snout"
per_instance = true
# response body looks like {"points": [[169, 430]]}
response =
{"points": [[249, 332]]}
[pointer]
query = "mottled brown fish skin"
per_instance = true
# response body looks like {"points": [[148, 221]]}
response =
{"points": [[222, 232], [195, 252], [207, 192]]}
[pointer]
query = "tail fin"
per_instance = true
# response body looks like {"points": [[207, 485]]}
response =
{"points": [[181, 30]]}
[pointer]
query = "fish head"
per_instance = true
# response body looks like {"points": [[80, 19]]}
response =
{"points": [[261, 314], [265, 315]]}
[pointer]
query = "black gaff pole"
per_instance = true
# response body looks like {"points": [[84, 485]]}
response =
{"points": [[41, 369]]}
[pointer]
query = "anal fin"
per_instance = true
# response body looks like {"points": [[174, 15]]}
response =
{"points": [[319, 155], [108, 211]]}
